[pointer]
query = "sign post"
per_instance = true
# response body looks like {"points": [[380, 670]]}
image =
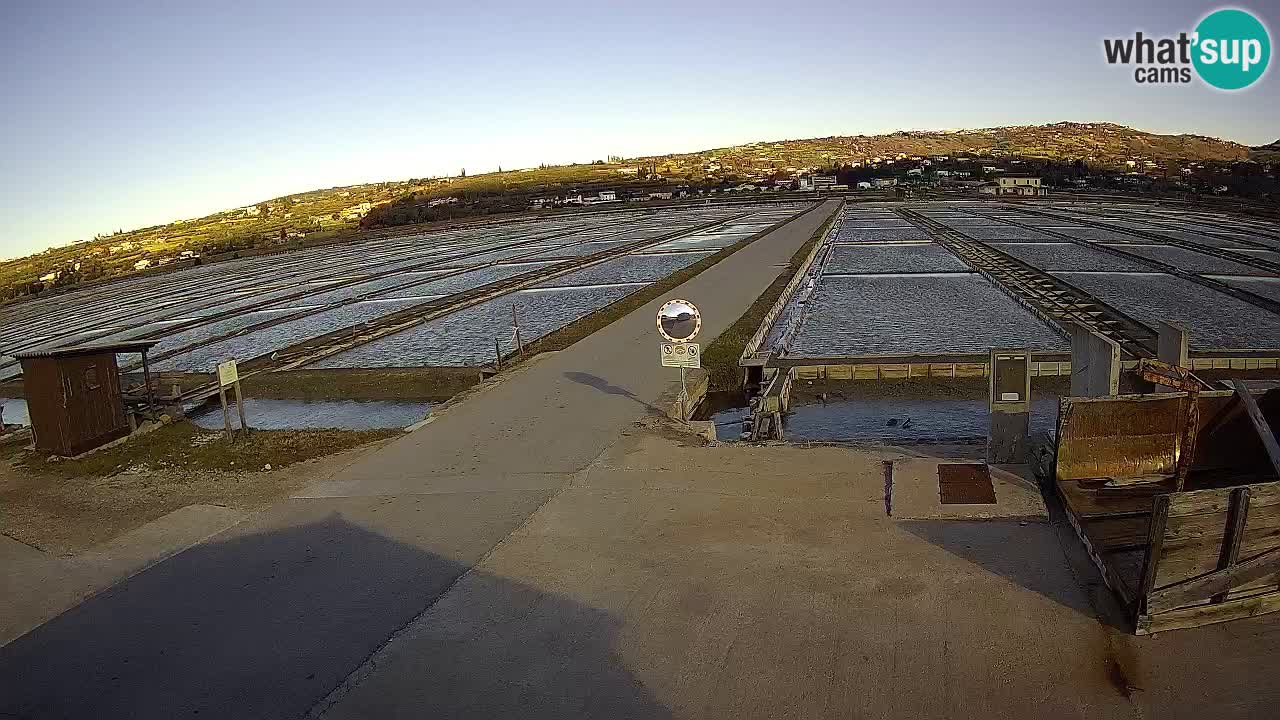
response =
{"points": [[679, 321], [229, 377]]}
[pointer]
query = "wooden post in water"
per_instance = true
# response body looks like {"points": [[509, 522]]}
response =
{"points": [[497, 355], [515, 327]]}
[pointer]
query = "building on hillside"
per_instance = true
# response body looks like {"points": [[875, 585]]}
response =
{"points": [[142, 264], [355, 212], [864, 185], [607, 196], [1014, 186], [823, 182], [884, 182]]}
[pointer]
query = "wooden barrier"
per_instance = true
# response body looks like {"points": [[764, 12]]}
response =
{"points": [[1175, 559]]}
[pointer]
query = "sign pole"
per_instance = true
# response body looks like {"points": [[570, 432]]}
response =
{"points": [[226, 415], [684, 396], [229, 376], [244, 426]]}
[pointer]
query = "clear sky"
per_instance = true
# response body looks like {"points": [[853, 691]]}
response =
{"points": [[126, 114]]}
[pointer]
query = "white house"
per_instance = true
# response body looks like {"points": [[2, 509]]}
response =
{"points": [[608, 196], [823, 182], [864, 185], [1017, 185]]}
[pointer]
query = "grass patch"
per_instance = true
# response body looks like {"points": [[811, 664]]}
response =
{"points": [[183, 446], [432, 384], [582, 327], [720, 358]]}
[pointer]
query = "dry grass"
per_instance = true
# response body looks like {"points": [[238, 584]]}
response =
{"points": [[185, 447], [70, 505]]}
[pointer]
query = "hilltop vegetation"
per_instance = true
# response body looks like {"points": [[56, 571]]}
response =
{"points": [[327, 214]]}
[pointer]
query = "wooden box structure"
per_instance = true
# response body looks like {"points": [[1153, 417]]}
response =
{"points": [[1207, 553], [75, 397]]}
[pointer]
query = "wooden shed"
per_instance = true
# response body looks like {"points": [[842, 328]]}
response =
{"points": [[74, 395]]}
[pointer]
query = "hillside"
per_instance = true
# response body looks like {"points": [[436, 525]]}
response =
{"points": [[320, 214], [1265, 153], [1103, 144]]}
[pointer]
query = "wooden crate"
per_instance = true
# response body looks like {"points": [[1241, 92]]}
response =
{"points": [[1175, 559]]}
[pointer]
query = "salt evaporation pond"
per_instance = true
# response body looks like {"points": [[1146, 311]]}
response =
{"points": [[1215, 320], [916, 314], [15, 411], [467, 337], [326, 414], [930, 420]]}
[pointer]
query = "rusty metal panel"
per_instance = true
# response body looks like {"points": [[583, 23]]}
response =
{"points": [[1132, 435], [965, 484]]}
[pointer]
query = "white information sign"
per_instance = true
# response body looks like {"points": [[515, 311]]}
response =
{"points": [[681, 355], [228, 374]]}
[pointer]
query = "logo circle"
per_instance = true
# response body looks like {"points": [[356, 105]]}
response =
{"points": [[1232, 49]]}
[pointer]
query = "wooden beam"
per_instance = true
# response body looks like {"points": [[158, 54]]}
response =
{"points": [[1206, 614], [1155, 546], [1218, 581], [1233, 535], [1259, 424]]}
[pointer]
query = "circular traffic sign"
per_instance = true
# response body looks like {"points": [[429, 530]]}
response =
{"points": [[679, 321]]}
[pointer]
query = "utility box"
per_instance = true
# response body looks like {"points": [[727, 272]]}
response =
{"points": [[1008, 439], [74, 395]]}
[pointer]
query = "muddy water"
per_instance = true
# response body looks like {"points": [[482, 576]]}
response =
{"points": [[891, 420], [300, 415]]}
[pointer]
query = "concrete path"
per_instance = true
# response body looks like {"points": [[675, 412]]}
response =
{"points": [[769, 582], [39, 586], [268, 618]]}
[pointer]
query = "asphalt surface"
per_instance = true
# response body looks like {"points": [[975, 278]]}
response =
{"points": [[269, 618]]}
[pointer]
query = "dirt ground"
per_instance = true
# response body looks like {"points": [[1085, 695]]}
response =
{"points": [[68, 506]]}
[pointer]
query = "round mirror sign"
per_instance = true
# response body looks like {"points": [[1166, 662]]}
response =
{"points": [[679, 320]]}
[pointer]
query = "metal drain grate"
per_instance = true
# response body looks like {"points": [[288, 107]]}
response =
{"points": [[965, 484]]}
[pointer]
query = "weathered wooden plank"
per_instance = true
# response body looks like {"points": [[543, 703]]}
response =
{"points": [[1155, 543], [1234, 534], [1117, 533], [1259, 424], [1220, 581], [1193, 560], [1197, 502], [1207, 614], [1119, 585]]}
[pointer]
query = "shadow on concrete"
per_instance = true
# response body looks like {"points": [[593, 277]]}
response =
{"points": [[266, 625], [1027, 555], [604, 386]]}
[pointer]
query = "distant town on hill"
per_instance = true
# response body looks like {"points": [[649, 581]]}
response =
{"points": [[1067, 154]]}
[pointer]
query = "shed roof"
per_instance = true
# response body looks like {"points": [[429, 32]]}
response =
{"points": [[131, 346]]}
